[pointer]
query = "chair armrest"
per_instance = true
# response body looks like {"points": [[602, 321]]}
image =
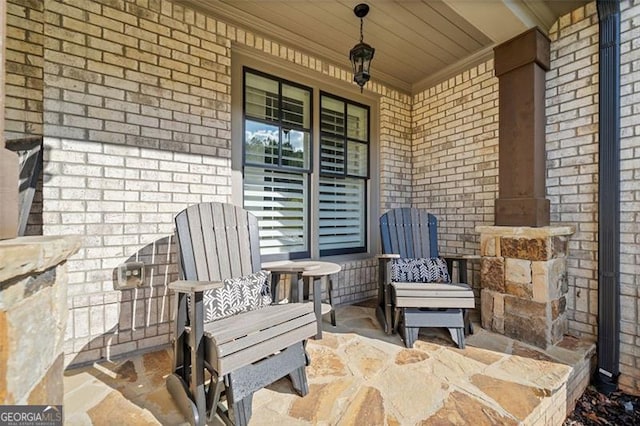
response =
{"points": [[388, 256], [184, 286], [462, 260], [465, 257]]}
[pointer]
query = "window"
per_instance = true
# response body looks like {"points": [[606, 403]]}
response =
{"points": [[344, 170], [281, 182]]}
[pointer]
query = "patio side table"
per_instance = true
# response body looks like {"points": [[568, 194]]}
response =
{"points": [[308, 273]]}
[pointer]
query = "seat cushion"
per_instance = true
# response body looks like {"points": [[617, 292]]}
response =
{"points": [[420, 270], [237, 295]]}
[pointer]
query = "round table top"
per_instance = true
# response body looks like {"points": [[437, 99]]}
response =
{"points": [[308, 268], [313, 268]]}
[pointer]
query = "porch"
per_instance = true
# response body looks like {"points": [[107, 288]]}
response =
{"points": [[359, 375], [140, 109]]}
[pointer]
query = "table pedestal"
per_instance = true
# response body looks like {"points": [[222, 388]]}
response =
{"points": [[309, 275]]}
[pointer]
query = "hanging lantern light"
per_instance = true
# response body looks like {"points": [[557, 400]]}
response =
{"points": [[361, 54]]}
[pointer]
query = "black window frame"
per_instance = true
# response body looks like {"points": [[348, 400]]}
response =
{"points": [[313, 192], [345, 174], [278, 122]]}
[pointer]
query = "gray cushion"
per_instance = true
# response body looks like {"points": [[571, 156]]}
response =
{"points": [[237, 295], [420, 270]]}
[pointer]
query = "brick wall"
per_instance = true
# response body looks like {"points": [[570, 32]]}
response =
{"points": [[572, 156], [143, 76], [572, 172], [630, 197], [137, 126], [455, 152], [24, 82], [395, 154], [122, 199], [455, 157], [24, 68]]}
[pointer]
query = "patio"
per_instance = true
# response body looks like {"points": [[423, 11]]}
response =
{"points": [[359, 375]]}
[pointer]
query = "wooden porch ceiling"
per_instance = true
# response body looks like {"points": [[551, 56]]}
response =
{"points": [[417, 42]]}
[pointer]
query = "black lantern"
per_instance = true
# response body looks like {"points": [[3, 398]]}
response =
{"points": [[361, 54]]}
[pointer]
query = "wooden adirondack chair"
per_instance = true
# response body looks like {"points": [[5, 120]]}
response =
{"points": [[407, 306], [244, 352]]}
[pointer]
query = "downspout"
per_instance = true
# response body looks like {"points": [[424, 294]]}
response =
{"points": [[606, 376]]}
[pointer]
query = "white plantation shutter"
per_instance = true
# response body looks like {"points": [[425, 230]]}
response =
{"points": [[332, 155], [278, 200], [342, 215]]}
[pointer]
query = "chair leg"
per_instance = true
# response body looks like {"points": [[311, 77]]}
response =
{"points": [[239, 397], [213, 396], [460, 332], [299, 381], [410, 336], [398, 314], [333, 310], [468, 326], [242, 410], [307, 358], [196, 345], [389, 311]]}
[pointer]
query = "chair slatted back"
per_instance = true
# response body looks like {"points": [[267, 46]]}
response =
{"points": [[409, 232], [217, 241]]}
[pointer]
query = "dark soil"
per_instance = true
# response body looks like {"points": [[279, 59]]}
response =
{"points": [[595, 408]]}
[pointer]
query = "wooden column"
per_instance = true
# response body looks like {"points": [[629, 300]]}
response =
{"points": [[520, 65], [8, 159]]}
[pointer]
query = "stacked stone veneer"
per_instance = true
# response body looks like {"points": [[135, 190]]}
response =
{"points": [[33, 318], [524, 282]]}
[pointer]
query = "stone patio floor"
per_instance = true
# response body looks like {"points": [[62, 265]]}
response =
{"points": [[360, 376]]}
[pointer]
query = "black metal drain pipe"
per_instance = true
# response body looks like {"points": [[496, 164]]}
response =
{"points": [[606, 376]]}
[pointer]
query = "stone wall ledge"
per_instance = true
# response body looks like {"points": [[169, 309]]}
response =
{"points": [[526, 231], [26, 255]]}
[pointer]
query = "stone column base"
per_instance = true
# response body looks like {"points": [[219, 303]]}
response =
{"points": [[524, 282], [33, 318]]}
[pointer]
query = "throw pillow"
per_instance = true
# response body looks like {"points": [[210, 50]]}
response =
{"points": [[420, 270], [237, 295]]}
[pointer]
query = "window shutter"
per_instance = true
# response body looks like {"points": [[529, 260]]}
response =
{"points": [[342, 215], [278, 200]]}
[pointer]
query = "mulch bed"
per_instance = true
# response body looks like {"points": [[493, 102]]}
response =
{"points": [[595, 408]]}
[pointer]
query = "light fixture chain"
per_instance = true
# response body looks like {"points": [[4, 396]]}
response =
{"points": [[361, 54]]}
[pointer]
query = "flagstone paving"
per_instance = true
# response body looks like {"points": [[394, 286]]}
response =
{"points": [[358, 376]]}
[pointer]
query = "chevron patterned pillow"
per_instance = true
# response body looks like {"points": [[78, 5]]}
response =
{"points": [[237, 295], [420, 270]]}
